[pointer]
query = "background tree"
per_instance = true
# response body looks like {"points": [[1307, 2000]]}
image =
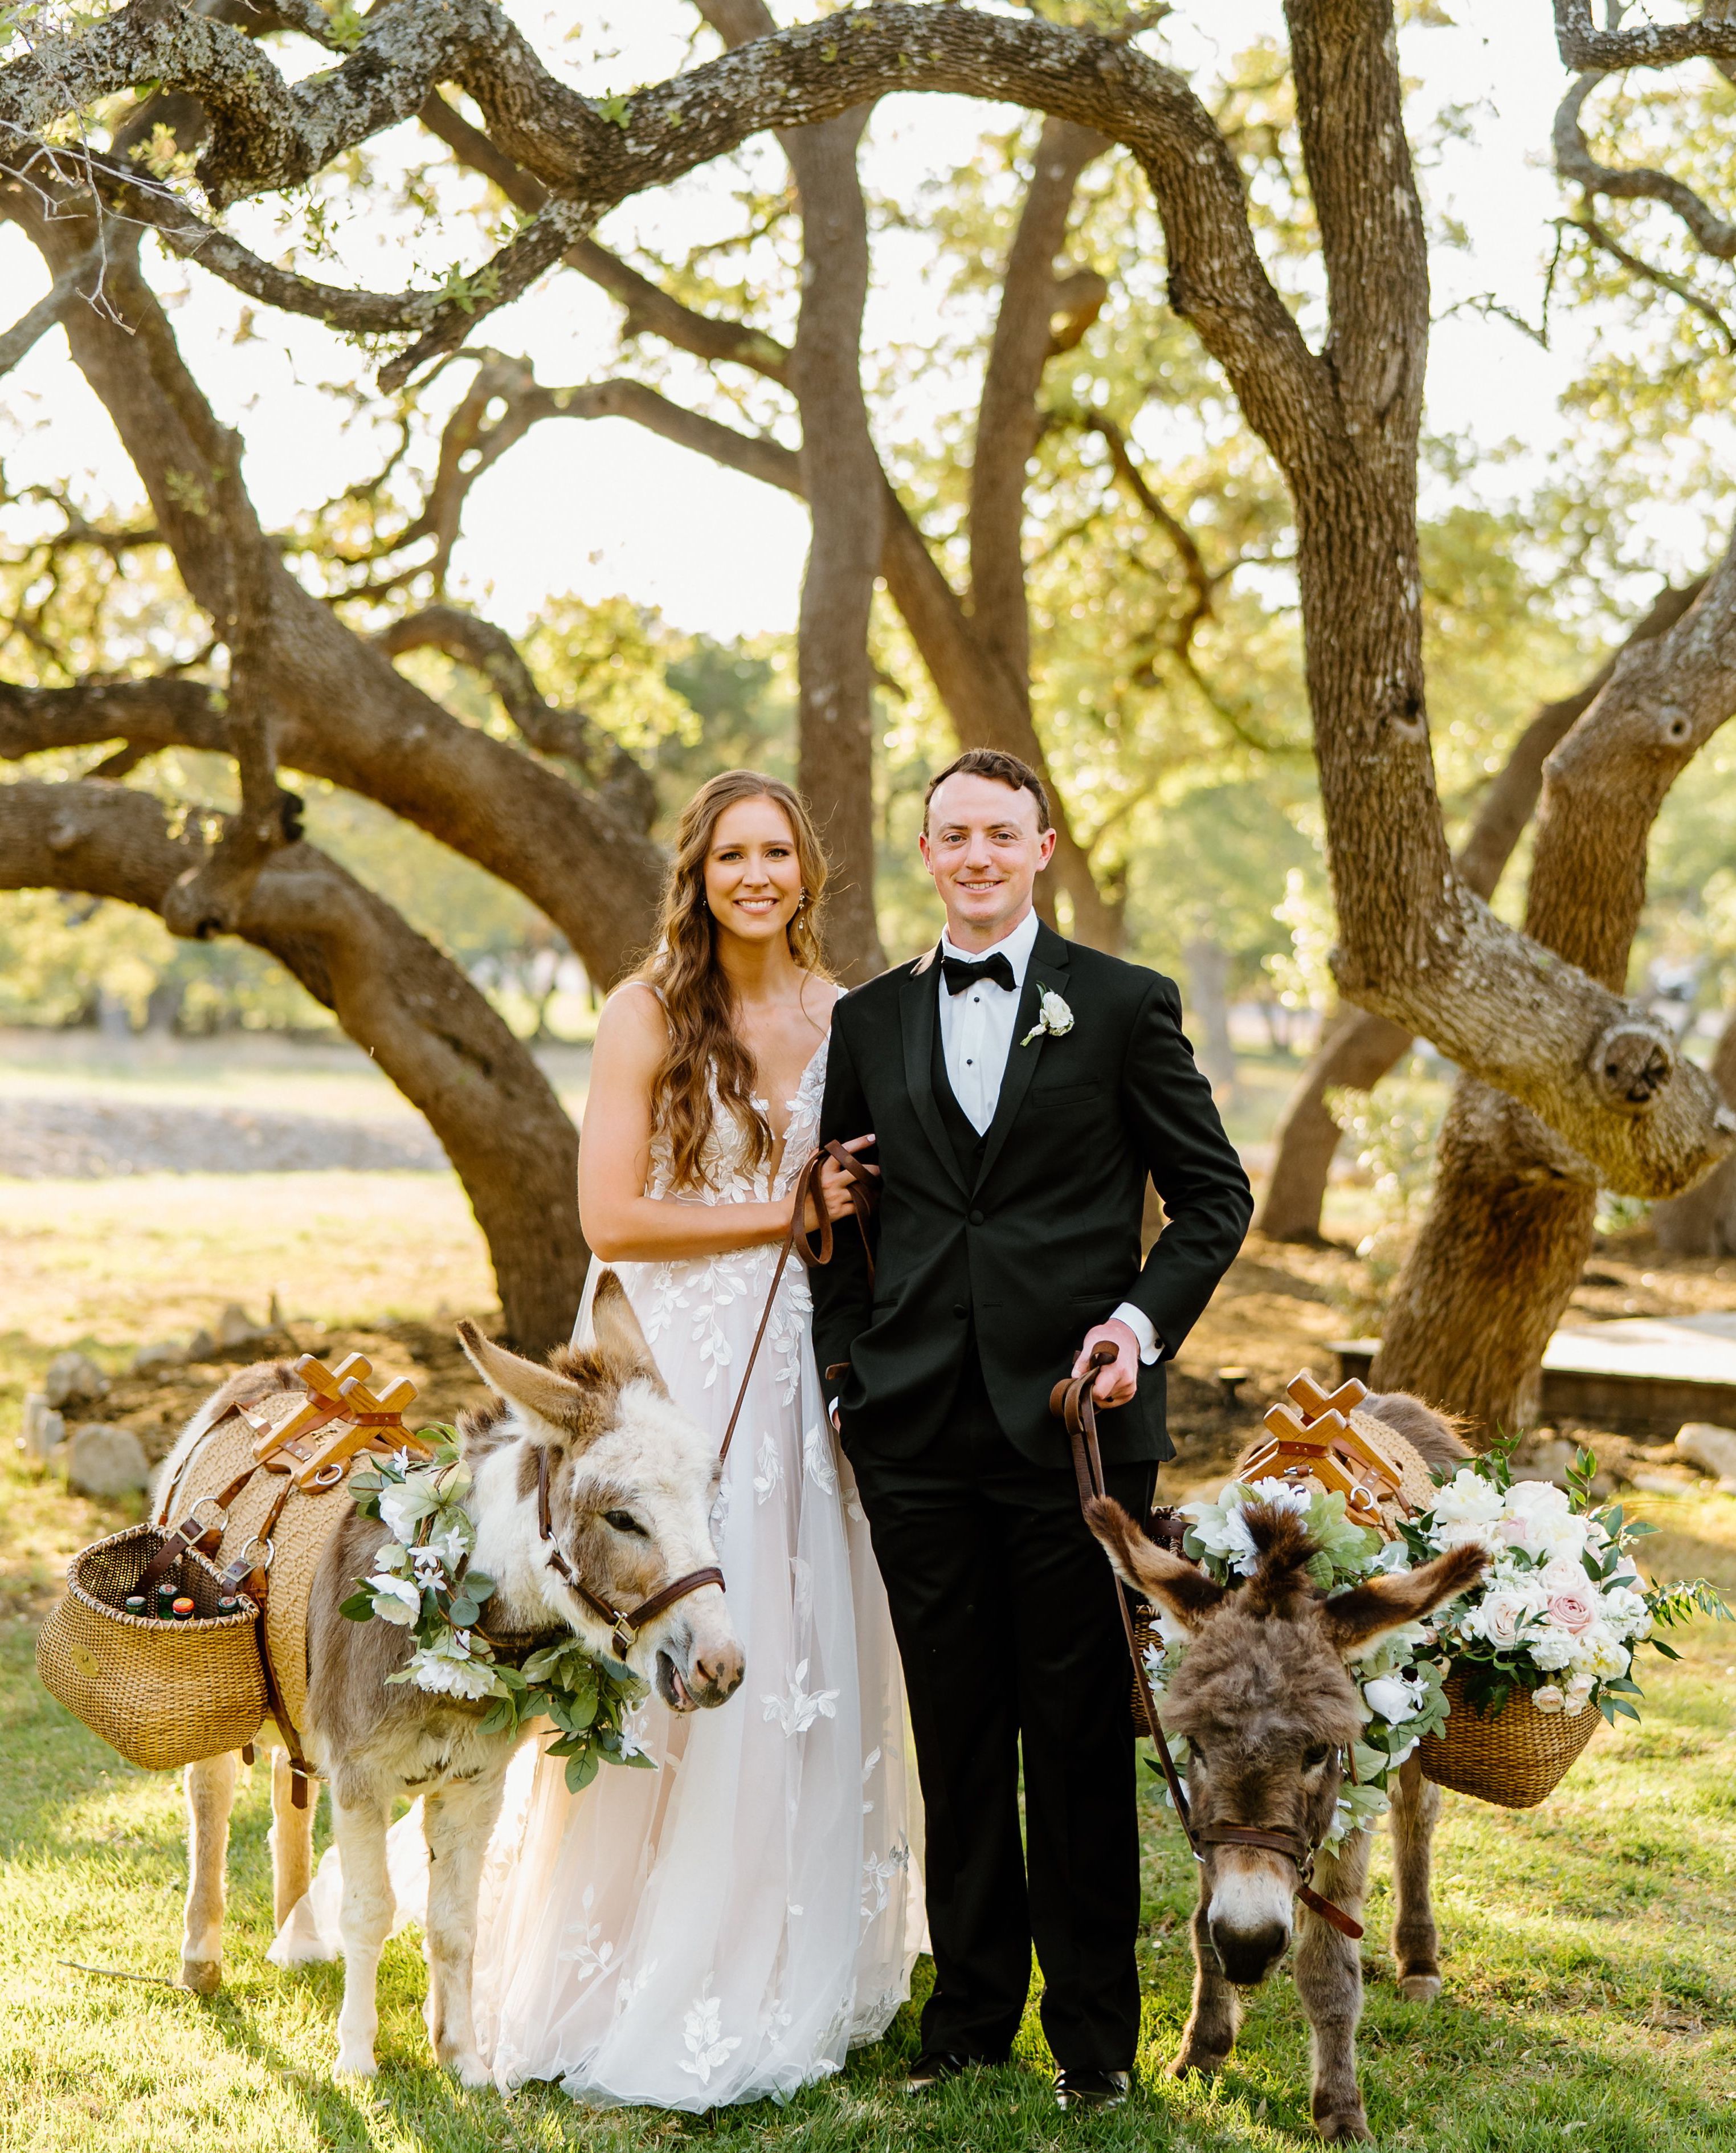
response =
{"points": [[1329, 377]]}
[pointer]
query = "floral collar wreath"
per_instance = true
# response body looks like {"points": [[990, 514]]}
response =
{"points": [[423, 1582], [1558, 1612]]}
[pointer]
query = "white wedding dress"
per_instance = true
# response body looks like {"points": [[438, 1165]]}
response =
{"points": [[727, 1927]]}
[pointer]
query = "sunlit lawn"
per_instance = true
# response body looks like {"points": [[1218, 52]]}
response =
{"points": [[1590, 1957]]}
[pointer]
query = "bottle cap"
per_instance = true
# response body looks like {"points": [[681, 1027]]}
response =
{"points": [[183, 1609]]}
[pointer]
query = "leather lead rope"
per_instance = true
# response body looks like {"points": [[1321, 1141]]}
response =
{"points": [[799, 1240], [1072, 1402], [625, 1626]]}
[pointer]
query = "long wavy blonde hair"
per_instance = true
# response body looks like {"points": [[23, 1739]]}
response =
{"points": [[698, 1001]]}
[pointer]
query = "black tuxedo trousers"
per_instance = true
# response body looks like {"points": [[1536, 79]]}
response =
{"points": [[1004, 1610]]}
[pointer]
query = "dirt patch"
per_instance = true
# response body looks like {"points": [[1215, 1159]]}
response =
{"points": [[85, 1139]]}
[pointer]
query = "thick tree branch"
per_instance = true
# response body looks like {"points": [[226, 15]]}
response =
{"points": [[1652, 44], [568, 734], [148, 715], [416, 1014], [1575, 164], [1007, 418]]}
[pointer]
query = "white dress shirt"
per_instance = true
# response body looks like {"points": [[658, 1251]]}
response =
{"points": [[977, 1041]]}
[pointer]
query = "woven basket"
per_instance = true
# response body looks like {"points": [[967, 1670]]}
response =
{"points": [[162, 1693], [1515, 1757], [1145, 1637]]}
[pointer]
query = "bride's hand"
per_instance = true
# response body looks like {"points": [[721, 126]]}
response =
{"points": [[835, 1185]]}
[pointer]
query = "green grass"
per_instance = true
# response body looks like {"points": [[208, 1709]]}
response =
{"points": [[1590, 1955]]}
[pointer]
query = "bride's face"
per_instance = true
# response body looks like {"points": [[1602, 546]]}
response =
{"points": [[753, 876]]}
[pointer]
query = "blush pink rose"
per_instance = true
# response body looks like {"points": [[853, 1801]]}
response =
{"points": [[1571, 1612]]}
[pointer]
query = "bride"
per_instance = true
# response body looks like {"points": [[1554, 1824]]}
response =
{"points": [[727, 1926]]}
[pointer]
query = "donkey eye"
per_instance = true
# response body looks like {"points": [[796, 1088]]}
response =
{"points": [[1316, 1754], [624, 1521]]}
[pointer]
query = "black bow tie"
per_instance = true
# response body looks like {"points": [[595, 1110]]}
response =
{"points": [[961, 973]]}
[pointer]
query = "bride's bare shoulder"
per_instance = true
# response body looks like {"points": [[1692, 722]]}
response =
{"points": [[820, 996], [632, 1025]]}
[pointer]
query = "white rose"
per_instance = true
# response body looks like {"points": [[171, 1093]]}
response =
{"points": [[1393, 1698], [1579, 1693], [1537, 1498], [1057, 1017], [1467, 1499], [1498, 1617], [1548, 1698], [395, 1599]]}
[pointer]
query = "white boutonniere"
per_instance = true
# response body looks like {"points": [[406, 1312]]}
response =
{"points": [[1053, 1016]]}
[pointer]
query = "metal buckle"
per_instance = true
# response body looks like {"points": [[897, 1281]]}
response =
{"points": [[625, 1635]]}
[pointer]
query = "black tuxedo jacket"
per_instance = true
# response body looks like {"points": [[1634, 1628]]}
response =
{"points": [[1043, 1239]]}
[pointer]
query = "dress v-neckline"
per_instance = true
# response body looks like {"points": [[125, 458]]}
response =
{"points": [[780, 1140]]}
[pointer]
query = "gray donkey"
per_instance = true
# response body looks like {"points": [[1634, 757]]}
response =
{"points": [[630, 1482], [1268, 1710]]}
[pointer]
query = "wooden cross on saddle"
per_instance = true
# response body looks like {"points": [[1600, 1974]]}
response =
{"points": [[1313, 1440], [361, 1417]]}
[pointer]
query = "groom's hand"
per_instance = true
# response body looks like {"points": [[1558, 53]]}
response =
{"points": [[1119, 1379]]}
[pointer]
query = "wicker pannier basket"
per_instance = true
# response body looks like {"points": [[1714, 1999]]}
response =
{"points": [[1514, 1759], [162, 1693]]}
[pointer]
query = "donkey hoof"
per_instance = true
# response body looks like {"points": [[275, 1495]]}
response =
{"points": [[1349, 2126], [469, 2070], [354, 2064], [1419, 1987], [203, 1975], [1192, 2062]]}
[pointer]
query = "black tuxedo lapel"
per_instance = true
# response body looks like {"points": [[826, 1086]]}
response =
{"points": [[1047, 969], [919, 1020]]}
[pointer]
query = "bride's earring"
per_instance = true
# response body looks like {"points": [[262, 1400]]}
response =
{"points": [[801, 902]]}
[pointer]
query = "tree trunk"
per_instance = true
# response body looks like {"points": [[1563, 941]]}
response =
{"points": [[1208, 972], [1360, 1048], [411, 1009], [1356, 1052], [1514, 1208], [1704, 1222], [842, 480]]}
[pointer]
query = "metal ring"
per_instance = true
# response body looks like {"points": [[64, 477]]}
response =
{"points": [[222, 1515], [328, 1476]]}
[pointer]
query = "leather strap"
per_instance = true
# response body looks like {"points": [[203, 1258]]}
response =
{"points": [[626, 1627], [798, 1240], [1074, 1403]]}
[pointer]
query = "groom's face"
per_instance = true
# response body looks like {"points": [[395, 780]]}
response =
{"points": [[985, 851]]}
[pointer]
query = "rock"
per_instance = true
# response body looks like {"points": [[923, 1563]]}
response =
{"points": [[43, 1428], [1664, 1483], [153, 1359], [73, 1379], [103, 1459], [235, 1327], [1711, 1448], [1545, 1456], [201, 1346]]}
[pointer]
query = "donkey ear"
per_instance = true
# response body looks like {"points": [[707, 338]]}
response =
{"points": [[619, 1340], [1355, 1619], [1188, 1593], [538, 1390]]}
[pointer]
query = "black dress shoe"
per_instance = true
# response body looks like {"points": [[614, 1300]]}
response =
{"points": [[932, 2067], [1092, 2089]]}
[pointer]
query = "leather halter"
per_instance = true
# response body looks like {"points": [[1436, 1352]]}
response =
{"points": [[624, 1626], [1071, 1402]]}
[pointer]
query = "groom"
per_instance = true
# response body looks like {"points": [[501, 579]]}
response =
{"points": [[1021, 1089]]}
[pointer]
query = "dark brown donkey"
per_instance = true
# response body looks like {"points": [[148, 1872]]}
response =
{"points": [[1265, 1704]]}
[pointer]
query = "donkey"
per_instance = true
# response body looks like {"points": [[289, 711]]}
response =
{"points": [[1268, 1712], [631, 1483]]}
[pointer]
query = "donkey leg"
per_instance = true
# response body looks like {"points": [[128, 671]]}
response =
{"points": [[1416, 1944], [291, 1840], [457, 1822], [365, 1923], [1329, 1982], [211, 1795], [1209, 2034]]}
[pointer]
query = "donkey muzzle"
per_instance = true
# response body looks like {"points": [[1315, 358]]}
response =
{"points": [[1248, 1919]]}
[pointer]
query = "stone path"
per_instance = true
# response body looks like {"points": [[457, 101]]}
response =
{"points": [[86, 1139]]}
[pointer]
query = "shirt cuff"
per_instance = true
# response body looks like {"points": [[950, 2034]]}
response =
{"points": [[1140, 1324]]}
